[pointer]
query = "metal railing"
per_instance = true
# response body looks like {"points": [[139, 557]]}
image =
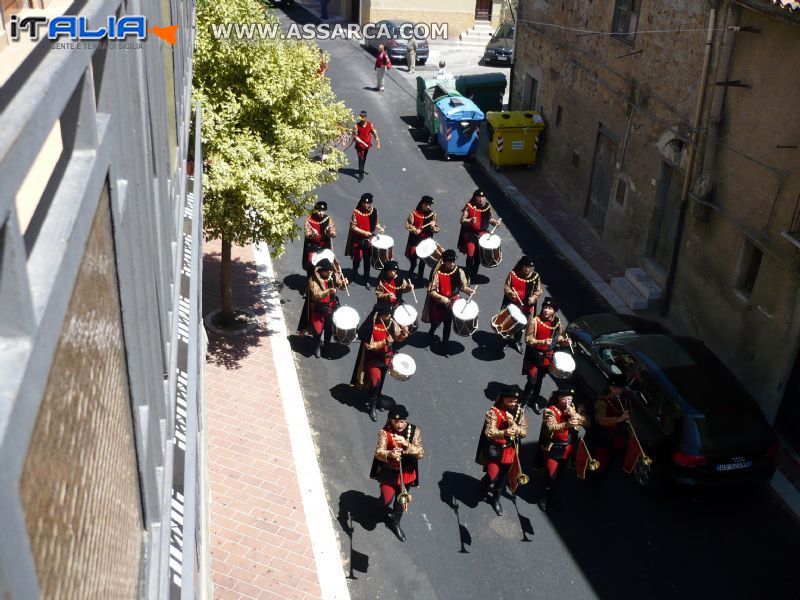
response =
{"points": [[124, 119]]}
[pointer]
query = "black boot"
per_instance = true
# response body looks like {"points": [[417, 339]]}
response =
{"points": [[366, 275], [371, 407], [498, 508], [483, 487], [318, 348], [356, 264], [394, 524], [545, 496], [421, 270], [432, 335]]}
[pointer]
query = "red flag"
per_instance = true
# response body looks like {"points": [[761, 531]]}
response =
{"points": [[632, 453], [582, 459]]}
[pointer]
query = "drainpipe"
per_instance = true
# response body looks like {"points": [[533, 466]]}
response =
{"points": [[515, 15], [669, 285]]}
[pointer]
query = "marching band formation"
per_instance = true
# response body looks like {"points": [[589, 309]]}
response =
{"points": [[392, 320]]}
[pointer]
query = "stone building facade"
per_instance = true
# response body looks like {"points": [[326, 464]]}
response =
{"points": [[101, 344], [618, 85], [460, 15]]}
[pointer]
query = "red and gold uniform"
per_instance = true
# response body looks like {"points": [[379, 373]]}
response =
{"points": [[476, 218], [396, 460], [319, 231], [421, 225], [443, 290], [559, 437], [543, 332], [610, 433], [363, 225], [504, 424], [320, 303], [363, 133], [389, 288], [377, 334]]}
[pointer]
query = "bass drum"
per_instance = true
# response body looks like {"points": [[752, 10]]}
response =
{"points": [[345, 324], [402, 367]]}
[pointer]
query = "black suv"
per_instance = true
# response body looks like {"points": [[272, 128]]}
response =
{"points": [[690, 413]]}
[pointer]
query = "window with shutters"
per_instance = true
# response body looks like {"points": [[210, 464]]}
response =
{"points": [[626, 17]]}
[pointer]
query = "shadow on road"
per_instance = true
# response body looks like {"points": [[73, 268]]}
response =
{"points": [[459, 488], [489, 346], [296, 282], [302, 344], [366, 511]]}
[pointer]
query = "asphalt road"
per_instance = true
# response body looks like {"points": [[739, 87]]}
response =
{"points": [[620, 542]]}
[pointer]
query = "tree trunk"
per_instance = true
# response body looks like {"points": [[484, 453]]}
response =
{"points": [[226, 292]]}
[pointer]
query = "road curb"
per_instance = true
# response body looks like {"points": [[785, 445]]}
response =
{"points": [[315, 504], [540, 223]]}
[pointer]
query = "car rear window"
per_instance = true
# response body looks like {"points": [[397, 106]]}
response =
{"points": [[720, 432]]}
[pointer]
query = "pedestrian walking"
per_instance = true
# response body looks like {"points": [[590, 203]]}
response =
{"points": [[377, 335], [541, 337], [447, 281], [476, 218], [504, 425], [411, 54], [363, 133], [363, 225], [559, 439], [421, 225], [382, 64], [319, 231], [522, 289], [316, 317], [395, 465]]}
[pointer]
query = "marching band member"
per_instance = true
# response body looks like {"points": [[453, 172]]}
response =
{"points": [[446, 282], [319, 233], [377, 334], [321, 300], [363, 225], [523, 288], [421, 225], [388, 288], [559, 438], [476, 217], [503, 423], [610, 433], [399, 447], [544, 330], [363, 132]]}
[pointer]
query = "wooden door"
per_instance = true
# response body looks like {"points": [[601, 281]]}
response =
{"points": [[483, 10], [605, 156], [355, 11]]}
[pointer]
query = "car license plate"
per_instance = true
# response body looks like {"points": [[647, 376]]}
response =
{"points": [[745, 464], [502, 58]]}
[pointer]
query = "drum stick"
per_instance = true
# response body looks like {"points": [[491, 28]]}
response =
{"points": [[471, 295], [385, 289], [413, 293], [343, 277], [496, 225], [360, 141]]}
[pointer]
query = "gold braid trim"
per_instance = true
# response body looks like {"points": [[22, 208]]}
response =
{"points": [[366, 214]]}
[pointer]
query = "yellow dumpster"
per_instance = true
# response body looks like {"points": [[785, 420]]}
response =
{"points": [[513, 137]]}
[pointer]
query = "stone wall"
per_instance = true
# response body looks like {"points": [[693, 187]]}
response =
{"points": [[80, 487]]}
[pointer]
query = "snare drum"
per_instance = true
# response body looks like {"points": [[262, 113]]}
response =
{"points": [[430, 251], [382, 250], [402, 367], [465, 317], [405, 315], [562, 366], [509, 321], [491, 250], [345, 324], [321, 255]]}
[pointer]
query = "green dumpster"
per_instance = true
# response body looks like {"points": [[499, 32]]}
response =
{"points": [[486, 90], [422, 85], [513, 137], [444, 87]]}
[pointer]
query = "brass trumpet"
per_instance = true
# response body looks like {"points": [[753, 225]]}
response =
{"points": [[593, 464], [521, 478], [403, 498]]}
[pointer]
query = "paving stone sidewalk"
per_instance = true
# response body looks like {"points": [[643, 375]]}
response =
{"points": [[260, 543]]}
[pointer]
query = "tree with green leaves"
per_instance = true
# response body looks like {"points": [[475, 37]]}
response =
{"points": [[266, 108]]}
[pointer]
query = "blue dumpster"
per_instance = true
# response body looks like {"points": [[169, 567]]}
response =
{"points": [[459, 122]]}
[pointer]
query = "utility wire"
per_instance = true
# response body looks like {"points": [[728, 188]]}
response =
{"points": [[637, 32]]}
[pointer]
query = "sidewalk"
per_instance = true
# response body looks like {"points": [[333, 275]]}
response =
{"points": [[261, 545]]}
